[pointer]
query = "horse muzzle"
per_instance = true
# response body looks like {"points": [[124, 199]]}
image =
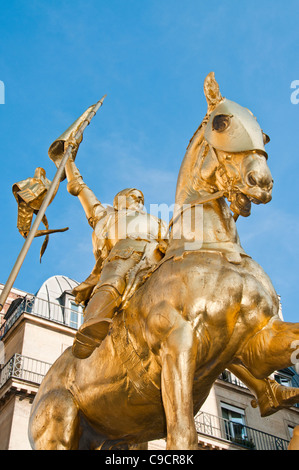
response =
{"points": [[257, 180]]}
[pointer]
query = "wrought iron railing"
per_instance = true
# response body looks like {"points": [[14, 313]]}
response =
{"points": [[238, 433], [24, 368], [33, 371], [42, 308], [227, 376]]}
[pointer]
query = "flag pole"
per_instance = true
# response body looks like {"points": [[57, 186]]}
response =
{"points": [[56, 181]]}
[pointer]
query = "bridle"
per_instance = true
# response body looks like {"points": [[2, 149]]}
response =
{"points": [[211, 197]]}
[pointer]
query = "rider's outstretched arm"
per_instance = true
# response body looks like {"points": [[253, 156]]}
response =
{"points": [[77, 187]]}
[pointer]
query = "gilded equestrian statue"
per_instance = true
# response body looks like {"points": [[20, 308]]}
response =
{"points": [[206, 306]]}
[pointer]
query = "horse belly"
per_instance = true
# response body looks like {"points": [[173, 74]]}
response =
{"points": [[111, 403]]}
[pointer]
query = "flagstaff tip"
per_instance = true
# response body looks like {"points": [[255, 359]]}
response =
{"points": [[96, 106]]}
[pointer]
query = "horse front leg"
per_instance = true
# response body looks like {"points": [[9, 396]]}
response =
{"points": [[274, 347], [175, 344]]}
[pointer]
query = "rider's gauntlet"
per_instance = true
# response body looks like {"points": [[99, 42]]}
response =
{"points": [[76, 184]]}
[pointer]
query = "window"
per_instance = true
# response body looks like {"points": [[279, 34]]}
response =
{"points": [[76, 315], [283, 380], [234, 423], [291, 430]]}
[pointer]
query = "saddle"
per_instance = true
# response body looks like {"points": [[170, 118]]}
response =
{"points": [[153, 256], [135, 278]]}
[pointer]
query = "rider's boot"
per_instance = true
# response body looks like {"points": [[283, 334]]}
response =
{"points": [[97, 320], [275, 398]]}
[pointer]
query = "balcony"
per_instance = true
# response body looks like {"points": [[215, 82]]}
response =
{"points": [[237, 434], [63, 312], [228, 377], [23, 368], [32, 371]]}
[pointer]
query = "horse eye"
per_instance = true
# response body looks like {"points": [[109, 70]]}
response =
{"points": [[266, 138], [221, 122]]}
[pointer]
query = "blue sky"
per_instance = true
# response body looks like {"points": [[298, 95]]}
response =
{"points": [[150, 58]]}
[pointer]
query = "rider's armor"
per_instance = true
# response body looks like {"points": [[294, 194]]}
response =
{"points": [[119, 238]]}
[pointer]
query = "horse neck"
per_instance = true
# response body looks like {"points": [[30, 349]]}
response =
{"points": [[184, 189], [212, 220]]}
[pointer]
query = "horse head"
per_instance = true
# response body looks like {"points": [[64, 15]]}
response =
{"points": [[226, 155]]}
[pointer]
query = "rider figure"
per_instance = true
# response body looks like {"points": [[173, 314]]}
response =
{"points": [[121, 235]]}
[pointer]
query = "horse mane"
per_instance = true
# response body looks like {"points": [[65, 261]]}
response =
{"points": [[186, 184], [189, 183]]}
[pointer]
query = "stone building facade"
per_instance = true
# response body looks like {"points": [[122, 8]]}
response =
{"points": [[36, 329]]}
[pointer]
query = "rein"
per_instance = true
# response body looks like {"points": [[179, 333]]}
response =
{"points": [[212, 197], [203, 200]]}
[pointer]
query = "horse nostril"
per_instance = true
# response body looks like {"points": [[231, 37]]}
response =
{"points": [[265, 182], [251, 179]]}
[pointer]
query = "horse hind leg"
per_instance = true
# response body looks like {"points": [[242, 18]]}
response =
{"points": [[54, 422]]}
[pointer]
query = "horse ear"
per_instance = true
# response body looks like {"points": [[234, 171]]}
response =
{"points": [[212, 92]]}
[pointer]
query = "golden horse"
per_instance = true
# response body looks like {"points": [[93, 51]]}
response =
{"points": [[206, 307]]}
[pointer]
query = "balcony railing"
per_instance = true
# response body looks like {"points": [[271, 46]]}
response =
{"points": [[237, 433], [24, 368], [33, 371], [42, 308], [227, 376]]}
